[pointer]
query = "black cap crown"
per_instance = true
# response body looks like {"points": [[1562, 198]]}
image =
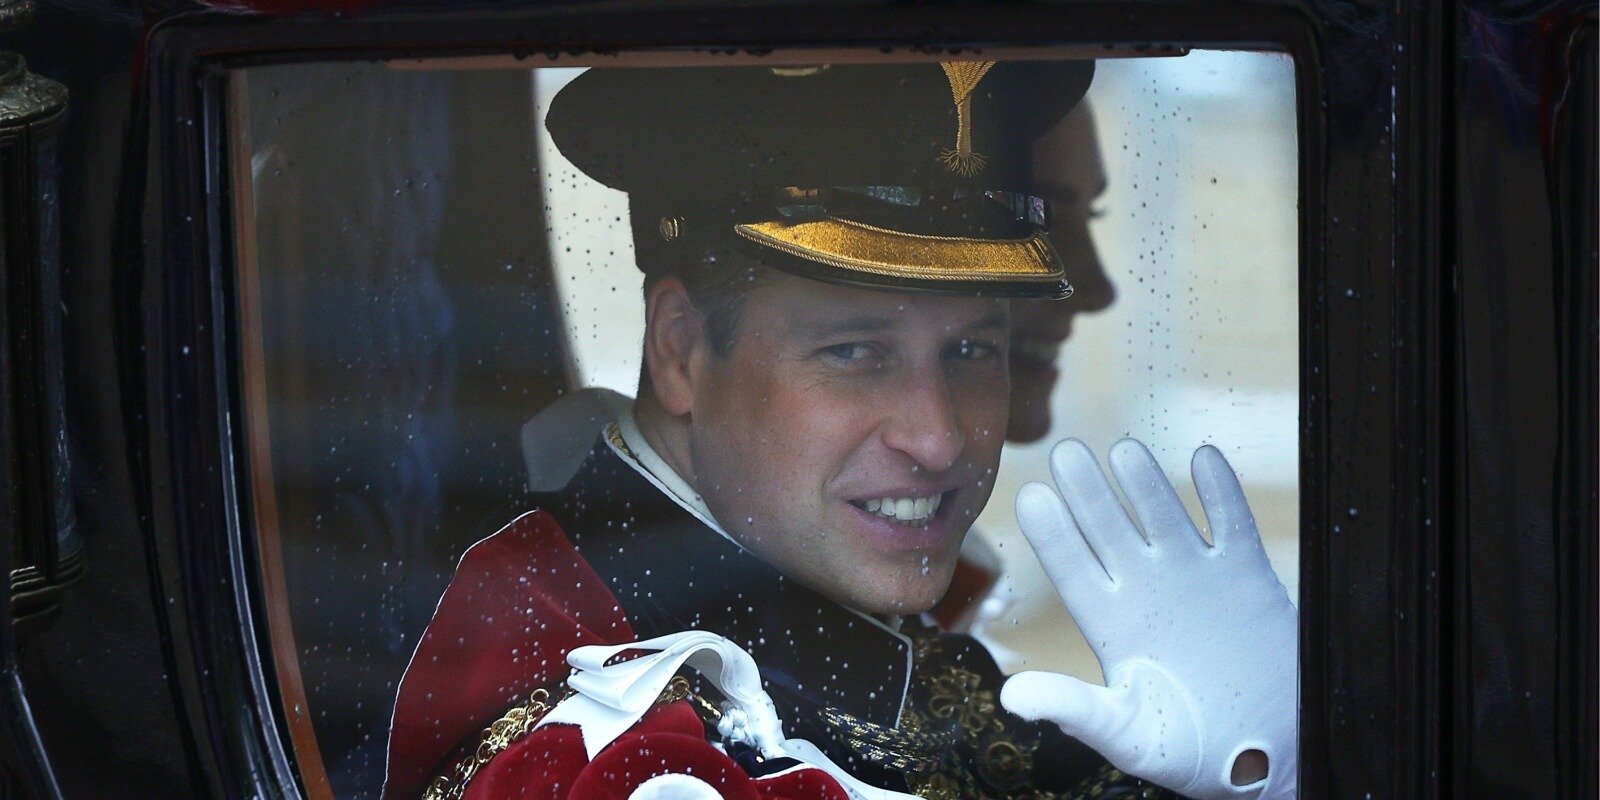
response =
{"points": [[907, 176]]}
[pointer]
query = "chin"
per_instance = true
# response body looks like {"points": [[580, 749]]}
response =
{"points": [[1030, 418], [1026, 428], [904, 597]]}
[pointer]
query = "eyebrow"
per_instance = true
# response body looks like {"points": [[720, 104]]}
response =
{"points": [[994, 319], [865, 323], [872, 323]]}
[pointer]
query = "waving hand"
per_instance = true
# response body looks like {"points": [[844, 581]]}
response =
{"points": [[1197, 641]]}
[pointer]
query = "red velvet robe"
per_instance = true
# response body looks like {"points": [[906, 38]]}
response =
{"points": [[615, 560], [519, 602]]}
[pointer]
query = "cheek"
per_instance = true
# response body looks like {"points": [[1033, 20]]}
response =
{"points": [[983, 407], [798, 412], [787, 427]]}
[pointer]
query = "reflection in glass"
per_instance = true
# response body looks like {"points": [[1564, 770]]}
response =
{"points": [[432, 278], [397, 277]]}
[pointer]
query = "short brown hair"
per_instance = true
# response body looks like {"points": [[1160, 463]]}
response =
{"points": [[718, 280]]}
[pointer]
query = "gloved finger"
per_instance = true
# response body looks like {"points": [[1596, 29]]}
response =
{"points": [[1166, 522], [1065, 556], [1233, 527], [1099, 514], [1092, 714]]}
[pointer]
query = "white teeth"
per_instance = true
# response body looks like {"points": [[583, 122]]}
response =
{"points": [[914, 511]]}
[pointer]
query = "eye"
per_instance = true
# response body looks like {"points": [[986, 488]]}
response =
{"points": [[849, 351], [972, 350]]}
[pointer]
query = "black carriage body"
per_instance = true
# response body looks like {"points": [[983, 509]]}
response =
{"points": [[1448, 372]]}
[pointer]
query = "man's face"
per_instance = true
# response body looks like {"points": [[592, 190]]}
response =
{"points": [[851, 436], [1068, 172]]}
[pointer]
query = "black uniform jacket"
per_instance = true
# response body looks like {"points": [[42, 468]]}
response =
{"points": [[910, 709]]}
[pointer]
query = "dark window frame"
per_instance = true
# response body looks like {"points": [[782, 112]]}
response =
{"points": [[1378, 480]]}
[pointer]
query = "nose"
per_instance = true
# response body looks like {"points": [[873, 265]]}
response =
{"points": [[1091, 287], [923, 424]]}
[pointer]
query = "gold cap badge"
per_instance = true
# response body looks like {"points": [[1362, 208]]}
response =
{"points": [[964, 77]]}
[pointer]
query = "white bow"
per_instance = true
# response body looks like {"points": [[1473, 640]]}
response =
{"points": [[611, 698]]}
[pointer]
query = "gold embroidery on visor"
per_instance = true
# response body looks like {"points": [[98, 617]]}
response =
{"points": [[879, 251]]}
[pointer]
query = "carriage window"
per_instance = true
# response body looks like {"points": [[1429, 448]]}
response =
{"points": [[772, 349]]}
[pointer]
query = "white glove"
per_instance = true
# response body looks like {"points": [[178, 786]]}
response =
{"points": [[1198, 643]]}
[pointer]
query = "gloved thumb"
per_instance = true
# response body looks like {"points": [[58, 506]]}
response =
{"points": [[1094, 715]]}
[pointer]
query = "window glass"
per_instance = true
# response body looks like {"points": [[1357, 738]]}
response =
{"points": [[839, 284]]}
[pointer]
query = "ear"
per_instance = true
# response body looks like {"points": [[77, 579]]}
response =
{"points": [[673, 337]]}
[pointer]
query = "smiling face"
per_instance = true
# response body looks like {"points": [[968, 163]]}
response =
{"points": [[849, 437]]}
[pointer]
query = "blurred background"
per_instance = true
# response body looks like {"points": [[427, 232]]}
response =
{"points": [[1199, 235], [421, 272]]}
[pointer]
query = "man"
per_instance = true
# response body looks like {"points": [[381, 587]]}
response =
{"points": [[828, 257], [1068, 174]]}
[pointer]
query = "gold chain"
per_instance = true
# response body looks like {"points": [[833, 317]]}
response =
{"points": [[518, 722], [500, 734]]}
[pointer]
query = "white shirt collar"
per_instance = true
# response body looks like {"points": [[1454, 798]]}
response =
{"points": [[636, 450], [628, 442]]}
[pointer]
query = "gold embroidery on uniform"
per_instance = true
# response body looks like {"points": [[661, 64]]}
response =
{"points": [[903, 748], [937, 786], [964, 77], [614, 436], [987, 762], [956, 694], [1007, 761], [995, 763]]}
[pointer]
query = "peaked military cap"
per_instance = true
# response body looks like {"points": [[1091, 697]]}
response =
{"points": [[909, 176]]}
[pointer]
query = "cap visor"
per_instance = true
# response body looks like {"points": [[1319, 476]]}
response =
{"points": [[893, 259]]}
